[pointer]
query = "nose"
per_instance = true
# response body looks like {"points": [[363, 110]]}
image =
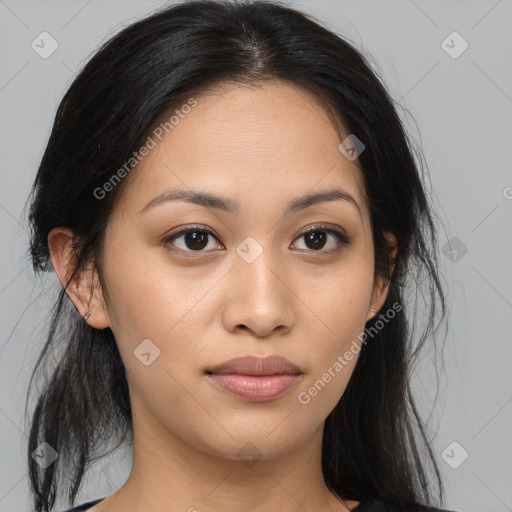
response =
{"points": [[259, 294]]}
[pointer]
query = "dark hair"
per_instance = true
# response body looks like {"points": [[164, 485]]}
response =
{"points": [[375, 444]]}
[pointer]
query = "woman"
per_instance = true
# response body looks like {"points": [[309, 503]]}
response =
{"points": [[233, 209]]}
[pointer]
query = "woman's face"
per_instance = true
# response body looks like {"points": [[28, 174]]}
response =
{"points": [[249, 281]]}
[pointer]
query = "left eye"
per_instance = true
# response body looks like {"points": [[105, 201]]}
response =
{"points": [[195, 239], [318, 235]]}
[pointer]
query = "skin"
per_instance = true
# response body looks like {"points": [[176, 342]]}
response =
{"points": [[263, 147]]}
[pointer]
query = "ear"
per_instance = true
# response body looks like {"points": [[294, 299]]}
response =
{"points": [[380, 284], [85, 288]]}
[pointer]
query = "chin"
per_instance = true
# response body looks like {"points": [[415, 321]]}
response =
{"points": [[253, 444]]}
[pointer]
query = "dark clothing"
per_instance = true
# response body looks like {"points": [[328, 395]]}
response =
{"points": [[367, 506], [85, 506]]}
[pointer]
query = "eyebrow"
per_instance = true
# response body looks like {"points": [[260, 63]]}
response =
{"points": [[220, 203]]}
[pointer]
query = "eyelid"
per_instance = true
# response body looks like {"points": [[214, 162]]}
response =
{"points": [[192, 227], [337, 232], [183, 231]]}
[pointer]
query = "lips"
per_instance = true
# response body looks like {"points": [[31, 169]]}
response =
{"points": [[251, 365], [255, 379]]}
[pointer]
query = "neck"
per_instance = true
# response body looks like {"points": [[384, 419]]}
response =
{"points": [[170, 474]]}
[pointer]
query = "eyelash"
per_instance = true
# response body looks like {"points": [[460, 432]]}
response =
{"points": [[342, 239]]}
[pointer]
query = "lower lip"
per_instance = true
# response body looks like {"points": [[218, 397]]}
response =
{"points": [[255, 388]]}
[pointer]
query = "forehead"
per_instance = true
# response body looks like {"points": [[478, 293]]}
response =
{"points": [[264, 143]]}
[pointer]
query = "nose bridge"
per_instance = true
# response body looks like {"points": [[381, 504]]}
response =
{"points": [[260, 296], [256, 264]]}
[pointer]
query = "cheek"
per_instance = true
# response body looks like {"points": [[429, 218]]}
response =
{"points": [[140, 289], [150, 300], [342, 300], [341, 310]]}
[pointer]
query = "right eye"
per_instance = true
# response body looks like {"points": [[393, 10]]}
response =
{"points": [[193, 239]]}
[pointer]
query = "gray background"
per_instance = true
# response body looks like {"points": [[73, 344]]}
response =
{"points": [[463, 110]]}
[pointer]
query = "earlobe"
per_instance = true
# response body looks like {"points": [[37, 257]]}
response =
{"points": [[96, 314], [84, 289]]}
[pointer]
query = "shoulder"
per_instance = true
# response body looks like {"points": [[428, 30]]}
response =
{"points": [[84, 506], [376, 505]]}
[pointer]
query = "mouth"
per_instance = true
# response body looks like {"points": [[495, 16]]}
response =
{"points": [[255, 379], [252, 365]]}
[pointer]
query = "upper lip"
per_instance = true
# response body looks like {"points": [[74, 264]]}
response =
{"points": [[252, 365]]}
